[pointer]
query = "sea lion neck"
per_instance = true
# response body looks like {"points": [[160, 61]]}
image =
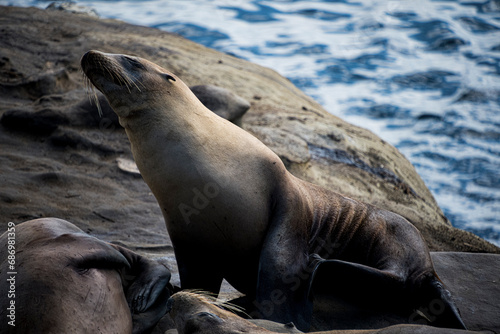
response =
{"points": [[145, 122]]}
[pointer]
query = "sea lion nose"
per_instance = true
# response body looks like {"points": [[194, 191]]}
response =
{"points": [[88, 54], [84, 60], [170, 304]]}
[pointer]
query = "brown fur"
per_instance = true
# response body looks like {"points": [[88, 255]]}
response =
{"points": [[195, 314], [70, 282], [271, 235]]}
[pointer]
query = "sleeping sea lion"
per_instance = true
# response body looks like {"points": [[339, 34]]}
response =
{"points": [[61, 280]]}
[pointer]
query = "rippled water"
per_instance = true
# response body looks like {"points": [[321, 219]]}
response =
{"points": [[423, 75]]}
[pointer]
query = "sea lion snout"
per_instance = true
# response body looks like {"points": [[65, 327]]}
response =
{"points": [[89, 61], [104, 69]]}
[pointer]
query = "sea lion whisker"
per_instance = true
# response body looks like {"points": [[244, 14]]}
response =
{"points": [[97, 103], [123, 78], [123, 81], [136, 86], [212, 299], [233, 308], [143, 86], [94, 98], [202, 293], [129, 82], [92, 93], [113, 72], [118, 75], [113, 77]]}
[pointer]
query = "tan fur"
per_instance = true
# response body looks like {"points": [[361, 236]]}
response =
{"points": [[233, 211], [187, 307]]}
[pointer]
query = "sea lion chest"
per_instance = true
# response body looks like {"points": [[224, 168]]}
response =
{"points": [[214, 187]]}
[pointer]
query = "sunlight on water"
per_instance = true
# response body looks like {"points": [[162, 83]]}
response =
{"points": [[423, 75]]}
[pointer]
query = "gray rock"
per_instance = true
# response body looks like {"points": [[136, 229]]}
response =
{"points": [[68, 169], [474, 281], [39, 67]]}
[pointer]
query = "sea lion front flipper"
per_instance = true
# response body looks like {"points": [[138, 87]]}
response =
{"points": [[144, 281], [147, 287], [144, 323], [281, 294]]}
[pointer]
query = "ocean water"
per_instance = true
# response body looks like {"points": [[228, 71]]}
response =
{"points": [[423, 75]]}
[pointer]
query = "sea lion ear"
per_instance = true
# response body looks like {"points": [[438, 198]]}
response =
{"points": [[169, 77]]}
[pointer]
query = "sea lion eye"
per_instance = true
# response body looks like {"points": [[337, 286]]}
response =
{"points": [[169, 77], [210, 317], [135, 63]]}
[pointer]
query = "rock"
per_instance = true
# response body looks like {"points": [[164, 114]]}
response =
{"points": [[127, 166], [40, 61], [41, 122], [474, 281], [59, 158]]}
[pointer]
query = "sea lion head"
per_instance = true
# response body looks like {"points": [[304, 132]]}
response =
{"points": [[186, 307], [66, 281], [197, 313], [135, 86]]}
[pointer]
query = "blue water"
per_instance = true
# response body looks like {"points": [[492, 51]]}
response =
{"points": [[423, 75]]}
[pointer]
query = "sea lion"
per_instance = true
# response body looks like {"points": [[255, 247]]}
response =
{"points": [[233, 211], [221, 101], [195, 313], [64, 281]]}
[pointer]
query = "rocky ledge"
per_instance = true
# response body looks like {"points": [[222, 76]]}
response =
{"points": [[60, 159]]}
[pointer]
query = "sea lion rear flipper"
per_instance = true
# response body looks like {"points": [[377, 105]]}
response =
{"points": [[356, 280], [435, 304]]}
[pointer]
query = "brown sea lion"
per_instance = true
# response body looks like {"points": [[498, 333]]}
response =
{"points": [[233, 211], [195, 313], [65, 281], [221, 101]]}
